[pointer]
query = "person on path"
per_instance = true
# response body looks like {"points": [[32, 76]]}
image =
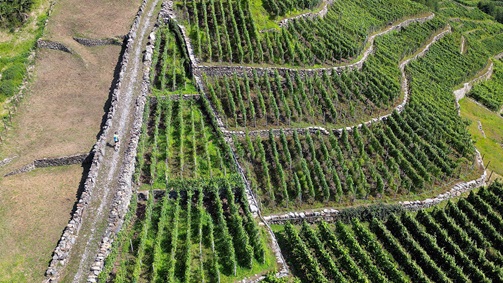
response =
{"points": [[116, 141]]}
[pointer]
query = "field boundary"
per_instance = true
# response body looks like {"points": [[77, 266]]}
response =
{"points": [[79, 158], [321, 14]]}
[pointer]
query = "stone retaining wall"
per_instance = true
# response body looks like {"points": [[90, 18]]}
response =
{"points": [[49, 162], [283, 23], [153, 99], [467, 87], [118, 40], [71, 231], [7, 160], [53, 45]]}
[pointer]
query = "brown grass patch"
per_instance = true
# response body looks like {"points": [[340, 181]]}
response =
{"points": [[61, 115], [34, 209]]}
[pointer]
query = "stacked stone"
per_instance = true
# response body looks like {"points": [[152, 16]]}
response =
{"points": [[99, 42], [320, 14], [50, 162], [53, 45]]}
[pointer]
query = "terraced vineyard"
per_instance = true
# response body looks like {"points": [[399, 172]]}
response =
{"points": [[320, 110], [458, 243], [227, 33]]}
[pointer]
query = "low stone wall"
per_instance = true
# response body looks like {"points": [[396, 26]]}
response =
{"points": [[321, 14], [49, 162], [118, 40], [467, 87], [153, 99], [53, 45], [70, 233]]}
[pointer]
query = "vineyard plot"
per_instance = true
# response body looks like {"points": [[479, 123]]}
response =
{"points": [[171, 70], [201, 228], [386, 159], [225, 31], [179, 143], [199, 233], [458, 243], [281, 8]]}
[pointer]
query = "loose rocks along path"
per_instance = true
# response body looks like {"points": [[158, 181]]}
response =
{"points": [[96, 214]]}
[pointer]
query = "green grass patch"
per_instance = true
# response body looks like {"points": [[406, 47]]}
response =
{"points": [[491, 145]]}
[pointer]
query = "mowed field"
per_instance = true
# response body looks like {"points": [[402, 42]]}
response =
{"points": [[61, 115]]}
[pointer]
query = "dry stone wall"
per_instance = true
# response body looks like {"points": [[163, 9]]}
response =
{"points": [[321, 14], [49, 162], [7, 160], [53, 45], [122, 198], [467, 87], [89, 42]]}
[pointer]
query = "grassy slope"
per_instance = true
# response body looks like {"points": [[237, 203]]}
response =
{"points": [[490, 146], [31, 222]]}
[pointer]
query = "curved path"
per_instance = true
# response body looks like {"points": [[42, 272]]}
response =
{"points": [[74, 256]]}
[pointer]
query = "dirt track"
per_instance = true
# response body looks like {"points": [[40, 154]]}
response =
{"points": [[96, 216]]}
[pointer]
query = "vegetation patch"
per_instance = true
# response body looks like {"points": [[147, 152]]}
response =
{"points": [[201, 233], [490, 146], [19, 33], [171, 71]]}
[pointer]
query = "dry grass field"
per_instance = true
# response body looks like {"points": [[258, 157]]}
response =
{"points": [[31, 220], [61, 115]]}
